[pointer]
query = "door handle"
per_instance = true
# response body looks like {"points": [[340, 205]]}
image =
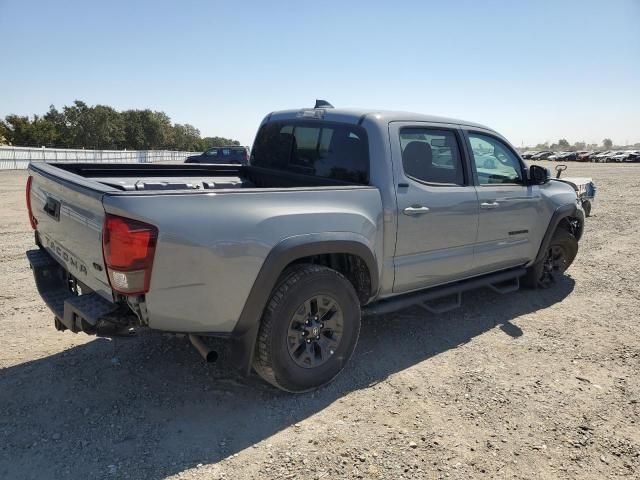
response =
{"points": [[416, 210], [489, 204]]}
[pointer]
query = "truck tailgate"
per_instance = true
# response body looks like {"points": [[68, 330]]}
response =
{"points": [[69, 221]]}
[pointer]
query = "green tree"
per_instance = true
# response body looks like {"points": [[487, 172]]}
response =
{"points": [[105, 128], [563, 143], [607, 143], [102, 127], [17, 129], [147, 130], [186, 138], [209, 142]]}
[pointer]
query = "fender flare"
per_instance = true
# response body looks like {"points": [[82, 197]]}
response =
{"points": [[244, 334], [565, 211]]}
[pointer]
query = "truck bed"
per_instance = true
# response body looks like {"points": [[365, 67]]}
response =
{"points": [[187, 177], [215, 224]]}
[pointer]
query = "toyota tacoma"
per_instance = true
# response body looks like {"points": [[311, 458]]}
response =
{"points": [[338, 213]]}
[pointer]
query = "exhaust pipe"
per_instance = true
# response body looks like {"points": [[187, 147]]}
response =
{"points": [[208, 354]]}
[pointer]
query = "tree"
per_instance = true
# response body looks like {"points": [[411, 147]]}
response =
{"points": [[579, 146], [607, 143], [563, 144], [4, 133], [102, 127], [106, 128], [186, 137], [209, 142], [17, 129]]}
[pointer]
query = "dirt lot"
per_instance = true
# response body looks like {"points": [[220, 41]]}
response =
{"points": [[527, 385]]}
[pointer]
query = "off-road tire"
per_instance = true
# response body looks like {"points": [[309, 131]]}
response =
{"points": [[540, 275], [272, 360]]}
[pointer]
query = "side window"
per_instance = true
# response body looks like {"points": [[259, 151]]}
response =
{"points": [[431, 155], [334, 151], [495, 162]]}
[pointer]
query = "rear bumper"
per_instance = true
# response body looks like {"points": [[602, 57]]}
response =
{"points": [[89, 313]]}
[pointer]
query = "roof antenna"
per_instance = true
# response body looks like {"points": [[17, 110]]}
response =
{"points": [[323, 104]]}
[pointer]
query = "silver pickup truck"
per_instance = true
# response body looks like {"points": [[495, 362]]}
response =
{"points": [[339, 213]]}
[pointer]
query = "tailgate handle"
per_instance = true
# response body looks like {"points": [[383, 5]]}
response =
{"points": [[52, 207]]}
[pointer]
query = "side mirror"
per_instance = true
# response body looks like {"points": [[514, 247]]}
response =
{"points": [[560, 169], [538, 175]]}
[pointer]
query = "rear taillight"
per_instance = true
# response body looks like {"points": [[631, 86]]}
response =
{"points": [[128, 247], [32, 220]]}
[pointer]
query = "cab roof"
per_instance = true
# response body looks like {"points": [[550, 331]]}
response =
{"points": [[358, 115]]}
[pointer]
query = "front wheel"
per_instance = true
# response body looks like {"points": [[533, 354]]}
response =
{"points": [[559, 256], [309, 329]]}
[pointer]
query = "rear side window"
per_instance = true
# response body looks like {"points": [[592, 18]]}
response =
{"points": [[431, 155], [327, 150]]}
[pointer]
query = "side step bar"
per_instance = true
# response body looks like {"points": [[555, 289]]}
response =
{"points": [[502, 282]]}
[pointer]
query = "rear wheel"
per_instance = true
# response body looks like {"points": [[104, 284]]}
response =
{"points": [[558, 257], [309, 329]]}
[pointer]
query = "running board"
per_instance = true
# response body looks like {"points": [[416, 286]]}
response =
{"points": [[501, 282]]}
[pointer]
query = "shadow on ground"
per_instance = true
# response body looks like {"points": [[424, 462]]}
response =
{"points": [[150, 407]]}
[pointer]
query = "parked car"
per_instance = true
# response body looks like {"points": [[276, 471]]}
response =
{"points": [[634, 156], [614, 156], [568, 156], [618, 157], [583, 156], [542, 155], [231, 154], [599, 157], [339, 212], [528, 154]]}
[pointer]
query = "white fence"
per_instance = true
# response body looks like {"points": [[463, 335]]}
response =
{"points": [[17, 158]]}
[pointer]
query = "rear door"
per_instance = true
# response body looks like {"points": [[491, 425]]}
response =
{"points": [[508, 207], [437, 205]]}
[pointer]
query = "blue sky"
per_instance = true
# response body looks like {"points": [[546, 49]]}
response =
{"points": [[533, 70]]}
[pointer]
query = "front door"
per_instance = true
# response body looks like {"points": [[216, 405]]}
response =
{"points": [[508, 206], [437, 205]]}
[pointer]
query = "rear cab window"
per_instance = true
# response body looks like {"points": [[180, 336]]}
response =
{"points": [[329, 150]]}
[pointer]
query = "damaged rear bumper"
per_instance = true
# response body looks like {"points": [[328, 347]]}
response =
{"points": [[88, 313]]}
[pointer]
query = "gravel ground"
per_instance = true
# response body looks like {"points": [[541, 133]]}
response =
{"points": [[532, 384]]}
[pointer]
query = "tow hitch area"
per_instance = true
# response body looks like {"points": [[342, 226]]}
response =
{"points": [[89, 313]]}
